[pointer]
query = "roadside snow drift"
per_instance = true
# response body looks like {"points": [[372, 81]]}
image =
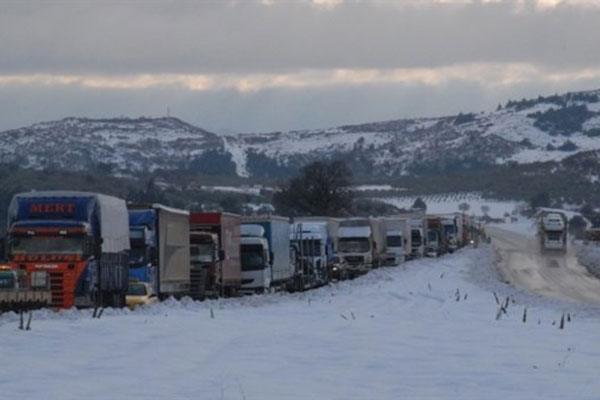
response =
{"points": [[432, 329]]}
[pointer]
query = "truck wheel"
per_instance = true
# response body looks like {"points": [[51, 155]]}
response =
{"points": [[290, 286]]}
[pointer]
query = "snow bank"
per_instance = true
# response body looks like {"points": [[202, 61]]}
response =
{"points": [[426, 330]]}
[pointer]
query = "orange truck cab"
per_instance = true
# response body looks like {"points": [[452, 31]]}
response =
{"points": [[79, 241]]}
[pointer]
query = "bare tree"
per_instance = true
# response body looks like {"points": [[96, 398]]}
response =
{"points": [[320, 189]]}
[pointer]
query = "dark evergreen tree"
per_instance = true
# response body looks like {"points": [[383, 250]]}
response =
{"points": [[419, 204]]}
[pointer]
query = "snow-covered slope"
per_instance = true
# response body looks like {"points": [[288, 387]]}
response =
{"points": [[429, 330], [546, 128]]}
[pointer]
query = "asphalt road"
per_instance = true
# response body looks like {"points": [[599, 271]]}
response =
{"points": [[522, 263]]}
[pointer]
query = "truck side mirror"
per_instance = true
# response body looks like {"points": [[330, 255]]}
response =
{"points": [[221, 255]]}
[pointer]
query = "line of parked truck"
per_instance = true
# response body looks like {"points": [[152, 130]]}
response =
{"points": [[66, 249]]}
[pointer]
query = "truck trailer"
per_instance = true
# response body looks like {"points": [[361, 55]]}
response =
{"points": [[76, 243], [265, 251], [215, 254], [160, 248], [362, 244]]}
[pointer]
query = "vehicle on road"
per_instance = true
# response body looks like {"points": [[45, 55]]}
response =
{"points": [[215, 254], [398, 243], [139, 294], [79, 241], [362, 244], [17, 295], [314, 242], [552, 231], [418, 229], [265, 251], [160, 243]]}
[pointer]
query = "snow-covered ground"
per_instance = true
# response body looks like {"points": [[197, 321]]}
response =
{"points": [[427, 330], [523, 226], [448, 203]]}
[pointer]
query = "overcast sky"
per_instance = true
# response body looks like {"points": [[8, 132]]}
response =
{"points": [[252, 65]]}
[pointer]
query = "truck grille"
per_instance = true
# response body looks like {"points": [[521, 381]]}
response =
{"points": [[57, 288], [355, 260]]}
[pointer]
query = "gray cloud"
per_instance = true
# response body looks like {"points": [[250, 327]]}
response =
{"points": [[248, 37], [427, 59]]}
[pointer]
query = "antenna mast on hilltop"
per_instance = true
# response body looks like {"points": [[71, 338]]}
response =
{"points": [[168, 112]]}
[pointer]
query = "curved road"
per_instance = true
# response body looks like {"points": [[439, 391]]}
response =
{"points": [[557, 275]]}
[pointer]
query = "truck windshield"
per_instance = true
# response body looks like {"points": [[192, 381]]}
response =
{"points": [[394, 241], [432, 237], [252, 258], [415, 237], [449, 230], [354, 245], [136, 289], [47, 245], [202, 252], [311, 248], [137, 254]]}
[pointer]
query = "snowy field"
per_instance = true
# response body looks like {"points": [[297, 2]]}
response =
{"points": [[448, 203], [429, 330]]}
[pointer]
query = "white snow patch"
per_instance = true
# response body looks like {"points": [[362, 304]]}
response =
{"points": [[448, 203], [427, 330]]}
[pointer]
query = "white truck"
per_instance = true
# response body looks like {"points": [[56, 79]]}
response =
{"points": [[314, 242], [418, 228], [398, 243], [361, 244], [265, 252], [552, 231], [450, 230]]}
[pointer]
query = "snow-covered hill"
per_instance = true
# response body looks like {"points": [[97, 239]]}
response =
{"points": [[127, 145], [430, 330], [546, 128]]}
